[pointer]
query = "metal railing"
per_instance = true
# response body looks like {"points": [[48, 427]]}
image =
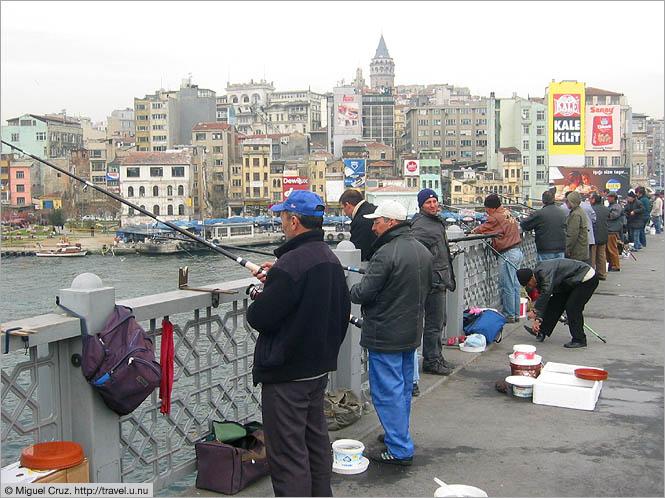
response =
{"points": [[45, 397]]}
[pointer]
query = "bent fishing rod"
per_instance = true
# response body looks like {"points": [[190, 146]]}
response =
{"points": [[241, 261]]}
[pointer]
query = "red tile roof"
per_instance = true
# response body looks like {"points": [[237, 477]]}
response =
{"points": [[509, 150], [597, 91], [211, 126], [377, 145], [157, 158], [380, 163]]}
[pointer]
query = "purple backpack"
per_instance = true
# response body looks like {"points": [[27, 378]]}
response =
{"points": [[120, 362]]}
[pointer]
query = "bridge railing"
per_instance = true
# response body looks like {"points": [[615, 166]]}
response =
{"points": [[45, 397]]}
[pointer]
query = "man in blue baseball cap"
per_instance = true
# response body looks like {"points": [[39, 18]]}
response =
{"points": [[301, 316]]}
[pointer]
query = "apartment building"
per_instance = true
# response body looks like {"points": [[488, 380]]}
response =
{"points": [[378, 116], [290, 111], [469, 187], [639, 174], [44, 136], [511, 165], [256, 158], [520, 124], [158, 182], [655, 150], [430, 170], [458, 129], [121, 123], [19, 192]]}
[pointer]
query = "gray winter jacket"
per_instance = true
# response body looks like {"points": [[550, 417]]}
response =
{"points": [[392, 292], [549, 224], [430, 231], [615, 218], [554, 276]]}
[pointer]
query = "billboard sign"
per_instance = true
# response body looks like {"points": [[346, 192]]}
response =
{"points": [[113, 176], [354, 173], [334, 189], [291, 183], [347, 114], [603, 127], [411, 167], [566, 127], [589, 180]]}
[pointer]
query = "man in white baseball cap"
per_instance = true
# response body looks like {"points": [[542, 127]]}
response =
{"points": [[392, 293]]}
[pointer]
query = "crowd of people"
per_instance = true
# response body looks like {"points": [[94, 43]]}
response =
{"points": [[302, 314]]}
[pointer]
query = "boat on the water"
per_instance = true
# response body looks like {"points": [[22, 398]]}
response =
{"points": [[63, 252]]}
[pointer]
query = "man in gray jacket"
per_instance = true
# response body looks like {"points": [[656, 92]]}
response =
{"points": [[392, 293], [428, 229], [549, 225]]}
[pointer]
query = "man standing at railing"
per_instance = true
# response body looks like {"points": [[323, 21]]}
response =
{"points": [[549, 226], [355, 207], [392, 294], [302, 316]]}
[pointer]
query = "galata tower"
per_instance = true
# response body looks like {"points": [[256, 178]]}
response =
{"points": [[382, 68]]}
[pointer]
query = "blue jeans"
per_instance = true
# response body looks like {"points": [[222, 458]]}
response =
{"points": [[509, 286], [656, 223], [391, 385], [643, 237], [416, 373], [543, 256], [635, 235]]}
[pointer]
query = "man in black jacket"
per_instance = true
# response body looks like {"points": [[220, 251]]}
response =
{"points": [[428, 229], [563, 285], [549, 225], [392, 294], [302, 316], [355, 207]]}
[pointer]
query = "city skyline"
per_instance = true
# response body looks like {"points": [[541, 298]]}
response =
{"points": [[92, 58]]}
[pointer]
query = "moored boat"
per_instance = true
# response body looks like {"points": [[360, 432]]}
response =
{"points": [[63, 252]]}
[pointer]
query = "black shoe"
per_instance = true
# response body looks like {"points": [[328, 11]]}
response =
{"points": [[384, 456], [575, 344], [447, 364], [529, 330], [437, 368], [540, 337], [614, 269], [416, 390], [381, 438]]}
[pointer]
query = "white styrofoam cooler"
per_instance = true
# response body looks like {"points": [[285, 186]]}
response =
{"points": [[557, 386]]}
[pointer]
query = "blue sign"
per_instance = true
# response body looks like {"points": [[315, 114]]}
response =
{"points": [[354, 173]]}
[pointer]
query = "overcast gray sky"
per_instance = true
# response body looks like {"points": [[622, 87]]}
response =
{"points": [[93, 57]]}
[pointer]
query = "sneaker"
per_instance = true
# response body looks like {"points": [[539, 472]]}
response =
{"points": [[385, 456], [575, 344], [416, 390], [437, 368]]}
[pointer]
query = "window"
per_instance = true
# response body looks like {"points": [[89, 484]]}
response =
{"points": [[41, 136], [142, 117], [143, 139], [130, 212], [423, 122], [155, 191], [450, 122], [525, 145], [181, 190], [616, 161], [265, 161], [161, 148], [133, 172], [130, 192], [525, 129], [525, 175], [158, 127], [540, 175], [141, 191], [157, 105], [481, 143], [216, 136], [451, 143], [437, 143], [436, 133], [255, 161], [451, 111], [465, 122], [20, 188], [525, 113], [155, 209], [540, 115], [169, 209], [217, 149], [436, 122], [466, 110], [200, 136], [20, 200], [219, 162], [159, 116], [15, 137], [540, 160], [159, 138], [177, 171], [465, 143], [602, 161], [588, 161], [540, 144], [19, 174], [423, 133], [423, 143], [156, 171]]}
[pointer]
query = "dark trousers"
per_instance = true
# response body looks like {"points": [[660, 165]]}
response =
{"points": [[435, 320], [297, 442], [572, 302]]}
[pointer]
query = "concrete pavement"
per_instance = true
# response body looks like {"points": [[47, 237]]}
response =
{"points": [[466, 432]]}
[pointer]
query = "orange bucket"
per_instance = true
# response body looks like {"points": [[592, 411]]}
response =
{"points": [[54, 455]]}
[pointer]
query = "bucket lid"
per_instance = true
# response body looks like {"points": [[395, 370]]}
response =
{"points": [[524, 362], [53, 455], [520, 380]]}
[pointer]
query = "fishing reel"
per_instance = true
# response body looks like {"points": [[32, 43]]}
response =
{"points": [[254, 290]]}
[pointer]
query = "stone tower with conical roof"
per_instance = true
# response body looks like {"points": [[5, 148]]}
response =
{"points": [[382, 68]]}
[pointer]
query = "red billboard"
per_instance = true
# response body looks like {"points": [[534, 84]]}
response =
{"points": [[291, 183]]}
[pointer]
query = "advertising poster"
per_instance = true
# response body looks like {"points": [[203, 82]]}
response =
{"points": [[334, 189], [603, 127], [411, 167], [566, 127], [291, 183], [347, 114], [588, 180], [354, 173]]}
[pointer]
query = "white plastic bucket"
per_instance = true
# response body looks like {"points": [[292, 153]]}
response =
{"points": [[524, 351], [524, 305], [348, 453], [459, 490], [522, 387]]}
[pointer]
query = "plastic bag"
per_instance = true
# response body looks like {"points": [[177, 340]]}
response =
{"points": [[475, 341]]}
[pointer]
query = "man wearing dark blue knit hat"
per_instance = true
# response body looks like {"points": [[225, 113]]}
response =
{"points": [[429, 229]]}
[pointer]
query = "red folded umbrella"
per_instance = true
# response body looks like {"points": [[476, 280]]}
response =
{"points": [[166, 360]]}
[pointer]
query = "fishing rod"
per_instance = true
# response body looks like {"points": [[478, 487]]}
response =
{"points": [[241, 261], [265, 253]]}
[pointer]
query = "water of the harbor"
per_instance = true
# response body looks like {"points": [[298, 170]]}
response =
{"points": [[28, 285]]}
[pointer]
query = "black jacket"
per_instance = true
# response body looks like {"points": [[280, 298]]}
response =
{"points": [[634, 220], [555, 276], [361, 231], [392, 292], [430, 231], [600, 225], [302, 314], [549, 224]]}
